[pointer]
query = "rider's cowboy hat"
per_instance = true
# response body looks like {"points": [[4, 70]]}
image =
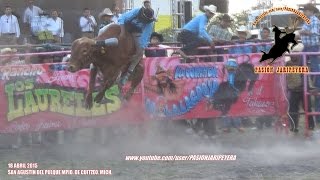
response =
{"points": [[7, 50], [226, 18], [245, 30], [106, 12], [211, 8], [310, 7]]}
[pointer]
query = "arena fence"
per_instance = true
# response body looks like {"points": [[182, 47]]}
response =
{"points": [[41, 97]]}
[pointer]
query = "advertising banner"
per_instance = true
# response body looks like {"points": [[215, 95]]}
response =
{"points": [[45, 97], [203, 90]]}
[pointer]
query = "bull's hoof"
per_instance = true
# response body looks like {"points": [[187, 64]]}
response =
{"points": [[98, 98]]}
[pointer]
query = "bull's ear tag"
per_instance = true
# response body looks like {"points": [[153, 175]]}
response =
{"points": [[103, 51]]}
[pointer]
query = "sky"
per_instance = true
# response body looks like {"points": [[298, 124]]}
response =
{"points": [[234, 5]]}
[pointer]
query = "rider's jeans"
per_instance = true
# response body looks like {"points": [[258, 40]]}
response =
{"points": [[139, 52]]}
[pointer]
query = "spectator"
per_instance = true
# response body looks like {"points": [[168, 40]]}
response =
{"points": [[155, 40], [105, 17], [221, 34], [10, 59], [116, 15], [310, 39], [243, 35], [87, 24], [194, 33], [295, 89], [29, 15], [9, 28], [55, 26], [265, 36]]}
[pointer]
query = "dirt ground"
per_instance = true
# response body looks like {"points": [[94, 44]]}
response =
{"points": [[260, 155]]}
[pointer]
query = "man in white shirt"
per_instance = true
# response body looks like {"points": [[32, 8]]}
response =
{"points": [[116, 15], [87, 24], [55, 26], [30, 12], [9, 28]]}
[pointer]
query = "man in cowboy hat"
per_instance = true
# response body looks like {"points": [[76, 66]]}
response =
{"points": [[10, 59], [138, 22], [221, 34], [105, 17], [194, 33], [243, 35], [310, 39]]}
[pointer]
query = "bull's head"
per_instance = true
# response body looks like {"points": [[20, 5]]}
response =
{"points": [[81, 54]]}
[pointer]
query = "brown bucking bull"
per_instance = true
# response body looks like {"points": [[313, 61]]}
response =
{"points": [[111, 60]]}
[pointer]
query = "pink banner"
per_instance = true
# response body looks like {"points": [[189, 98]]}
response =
{"points": [[202, 90]]}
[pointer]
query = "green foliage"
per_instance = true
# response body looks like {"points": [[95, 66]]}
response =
{"points": [[168, 34], [164, 22]]}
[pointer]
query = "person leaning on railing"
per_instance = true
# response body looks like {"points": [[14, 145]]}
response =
{"points": [[265, 37], [10, 58], [155, 41], [243, 35], [221, 34], [194, 34]]}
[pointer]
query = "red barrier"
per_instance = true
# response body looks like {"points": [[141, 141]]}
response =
{"points": [[42, 97]]}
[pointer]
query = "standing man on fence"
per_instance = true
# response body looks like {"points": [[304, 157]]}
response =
{"points": [[9, 28], [87, 24], [55, 26], [116, 15], [310, 39], [194, 33], [30, 13]]}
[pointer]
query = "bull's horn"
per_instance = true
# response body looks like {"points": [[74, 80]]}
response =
{"points": [[108, 42]]}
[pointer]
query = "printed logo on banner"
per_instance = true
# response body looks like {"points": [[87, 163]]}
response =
{"points": [[282, 39], [170, 86], [20, 71], [43, 90]]}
